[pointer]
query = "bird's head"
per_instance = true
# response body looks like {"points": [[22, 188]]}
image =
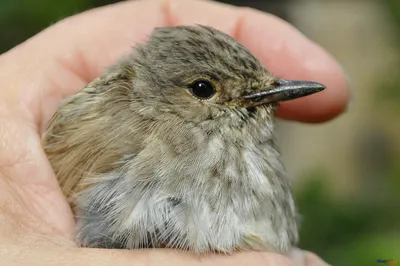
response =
{"points": [[202, 75]]}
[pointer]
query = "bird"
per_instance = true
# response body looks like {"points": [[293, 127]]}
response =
{"points": [[173, 146]]}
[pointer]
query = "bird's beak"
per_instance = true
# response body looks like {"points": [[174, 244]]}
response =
{"points": [[284, 90]]}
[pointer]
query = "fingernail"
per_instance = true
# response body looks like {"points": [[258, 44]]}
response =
{"points": [[305, 258], [313, 260], [297, 257]]}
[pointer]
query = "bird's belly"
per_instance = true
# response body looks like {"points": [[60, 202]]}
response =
{"points": [[231, 201], [200, 228], [141, 220]]}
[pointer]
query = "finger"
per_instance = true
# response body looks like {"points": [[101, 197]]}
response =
{"points": [[63, 58], [284, 51], [243, 258], [97, 257], [87, 43]]}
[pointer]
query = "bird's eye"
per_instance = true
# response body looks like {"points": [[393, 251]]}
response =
{"points": [[202, 89]]}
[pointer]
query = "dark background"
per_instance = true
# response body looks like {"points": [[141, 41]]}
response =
{"points": [[347, 177]]}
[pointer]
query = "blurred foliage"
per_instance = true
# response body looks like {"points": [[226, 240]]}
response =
{"points": [[348, 232], [365, 228], [390, 77], [393, 8], [21, 19], [355, 231]]}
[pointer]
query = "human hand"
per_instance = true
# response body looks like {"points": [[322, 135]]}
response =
{"points": [[35, 219]]}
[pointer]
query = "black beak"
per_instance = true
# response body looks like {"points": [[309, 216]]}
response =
{"points": [[286, 90]]}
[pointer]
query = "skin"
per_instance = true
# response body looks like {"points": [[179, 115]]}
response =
{"points": [[35, 219]]}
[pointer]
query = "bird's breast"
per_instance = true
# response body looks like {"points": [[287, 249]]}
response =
{"points": [[213, 195]]}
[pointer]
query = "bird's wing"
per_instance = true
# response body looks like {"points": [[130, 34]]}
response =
{"points": [[87, 134]]}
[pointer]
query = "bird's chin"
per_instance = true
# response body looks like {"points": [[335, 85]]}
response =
{"points": [[253, 109]]}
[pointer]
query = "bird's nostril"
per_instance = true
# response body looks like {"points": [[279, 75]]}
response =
{"points": [[276, 83]]}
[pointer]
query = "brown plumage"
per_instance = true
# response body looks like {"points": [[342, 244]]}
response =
{"points": [[173, 146]]}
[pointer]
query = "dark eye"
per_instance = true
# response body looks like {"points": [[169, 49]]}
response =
{"points": [[202, 89]]}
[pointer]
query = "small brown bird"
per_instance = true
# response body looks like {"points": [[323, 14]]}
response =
{"points": [[173, 146]]}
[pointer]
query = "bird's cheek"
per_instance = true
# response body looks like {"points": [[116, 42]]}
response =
{"points": [[195, 113]]}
